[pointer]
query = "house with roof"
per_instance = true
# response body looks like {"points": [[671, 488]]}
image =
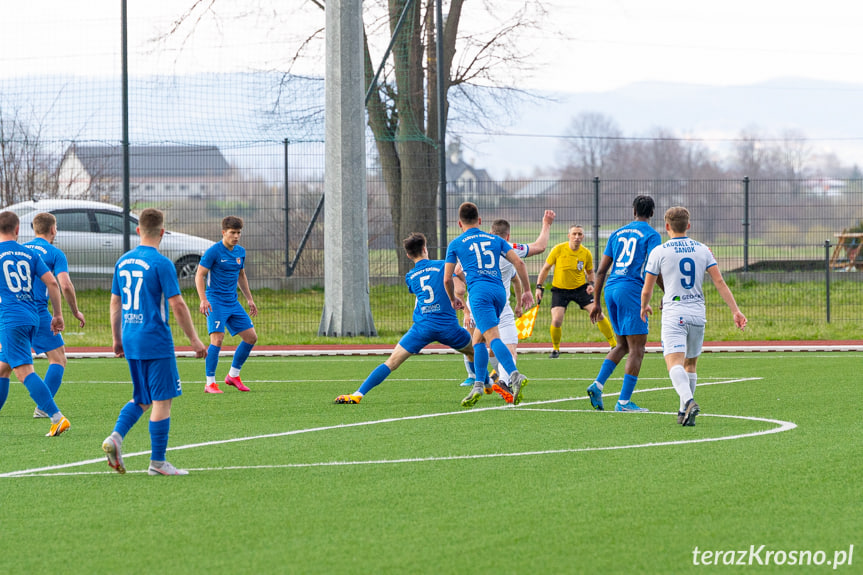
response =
{"points": [[466, 183], [155, 172]]}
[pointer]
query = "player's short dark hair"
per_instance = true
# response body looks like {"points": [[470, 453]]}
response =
{"points": [[43, 222], [232, 223], [643, 206], [151, 222], [468, 213], [500, 228], [8, 222], [677, 218], [576, 226], [414, 244]]}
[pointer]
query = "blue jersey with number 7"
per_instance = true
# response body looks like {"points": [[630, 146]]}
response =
{"points": [[145, 280], [628, 249]]}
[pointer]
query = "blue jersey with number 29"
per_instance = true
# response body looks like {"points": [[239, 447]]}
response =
{"points": [[145, 280], [628, 249]]}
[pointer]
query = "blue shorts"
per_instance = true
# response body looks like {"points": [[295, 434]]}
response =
{"points": [[154, 379], [44, 340], [419, 336], [232, 315], [624, 310], [486, 307], [16, 342]]}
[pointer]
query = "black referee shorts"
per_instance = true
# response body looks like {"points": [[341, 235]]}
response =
{"points": [[562, 297]]}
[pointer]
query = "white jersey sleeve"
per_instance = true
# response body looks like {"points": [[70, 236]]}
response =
{"points": [[507, 270], [682, 262]]}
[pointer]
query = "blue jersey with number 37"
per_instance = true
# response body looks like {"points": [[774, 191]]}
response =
{"points": [[628, 249], [145, 280], [425, 281]]}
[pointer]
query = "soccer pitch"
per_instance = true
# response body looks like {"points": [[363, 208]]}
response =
{"points": [[284, 481]]}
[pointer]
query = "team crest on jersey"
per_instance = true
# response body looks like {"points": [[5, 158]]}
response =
{"points": [[239, 261], [580, 266], [680, 321]]}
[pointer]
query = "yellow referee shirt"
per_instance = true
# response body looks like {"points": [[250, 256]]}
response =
{"points": [[569, 266]]}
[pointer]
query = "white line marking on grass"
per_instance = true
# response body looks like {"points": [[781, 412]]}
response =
{"points": [[782, 426], [528, 406]]}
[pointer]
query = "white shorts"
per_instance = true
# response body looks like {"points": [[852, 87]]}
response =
{"points": [[508, 332], [682, 334], [506, 327]]}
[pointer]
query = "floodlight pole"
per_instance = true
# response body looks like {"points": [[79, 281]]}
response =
{"points": [[347, 310], [124, 50], [441, 122]]}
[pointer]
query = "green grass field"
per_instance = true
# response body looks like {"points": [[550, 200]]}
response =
{"points": [[284, 481]]}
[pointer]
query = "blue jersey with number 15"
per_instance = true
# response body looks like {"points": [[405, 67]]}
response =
{"points": [[425, 281], [480, 254], [145, 280]]}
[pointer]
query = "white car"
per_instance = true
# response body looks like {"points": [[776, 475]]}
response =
{"points": [[91, 235]]}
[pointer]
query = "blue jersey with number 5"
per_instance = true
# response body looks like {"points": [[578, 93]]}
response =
{"points": [[145, 280], [628, 249], [425, 281]]}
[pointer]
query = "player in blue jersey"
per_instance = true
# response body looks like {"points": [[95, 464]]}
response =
{"points": [[682, 263], [143, 289], [434, 317], [220, 273], [479, 254], [623, 264], [19, 318], [46, 341]]}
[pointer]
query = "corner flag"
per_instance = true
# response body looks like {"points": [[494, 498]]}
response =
{"points": [[525, 323]]}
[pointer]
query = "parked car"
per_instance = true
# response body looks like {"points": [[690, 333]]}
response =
{"points": [[91, 235]]}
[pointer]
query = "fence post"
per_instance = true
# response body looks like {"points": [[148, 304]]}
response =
{"points": [[596, 252], [288, 270], [745, 223], [827, 275]]}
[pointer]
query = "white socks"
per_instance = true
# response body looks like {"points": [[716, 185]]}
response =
{"points": [[680, 381]]}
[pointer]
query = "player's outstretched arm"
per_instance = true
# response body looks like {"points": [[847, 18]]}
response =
{"points": [[201, 287], [70, 296], [727, 296], [116, 330], [448, 285], [541, 242], [646, 294], [50, 282], [184, 320], [521, 270], [601, 273], [243, 284]]}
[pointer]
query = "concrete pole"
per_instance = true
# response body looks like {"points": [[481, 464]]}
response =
{"points": [[346, 255]]}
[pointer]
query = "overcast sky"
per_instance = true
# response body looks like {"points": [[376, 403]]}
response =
{"points": [[611, 42]]}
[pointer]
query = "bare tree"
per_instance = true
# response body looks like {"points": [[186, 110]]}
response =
{"points": [[403, 106], [794, 153], [591, 147], [26, 170]]}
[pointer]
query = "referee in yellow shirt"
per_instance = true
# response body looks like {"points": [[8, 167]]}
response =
{"points": [[573, 282]]}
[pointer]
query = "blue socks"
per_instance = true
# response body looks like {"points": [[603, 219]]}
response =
{"points": [[159, 438], [501, 352], [40, 393], [629, 382], [129, 416], [605, 372], [480, 361], [379, 374], [4, 390], [54, 377], [240, 355], [212, 360]]}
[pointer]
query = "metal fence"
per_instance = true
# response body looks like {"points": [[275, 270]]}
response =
{"points": [[779, 243]]}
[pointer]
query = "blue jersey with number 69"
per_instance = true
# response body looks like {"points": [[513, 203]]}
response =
{"points": [[145, 280], [425, 281], [479, 254], [19, 268], [628, 249]]}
